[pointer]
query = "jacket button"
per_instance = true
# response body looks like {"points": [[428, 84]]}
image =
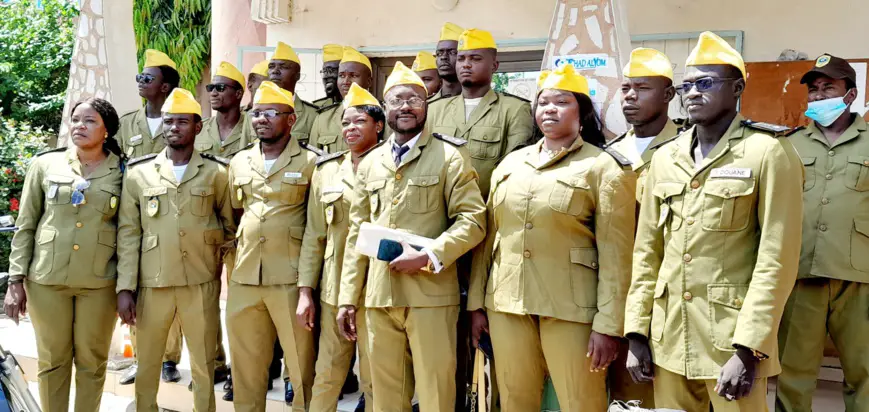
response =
{"points": [[695, 184], [184, 254], [181, 233], [822, 228], [825, 201], [222, 149], [686, 257], [75, 247], [395, 201], [829, 177], [527, 254], [268, 180], [687, 296], [262, 239], [737, 302], [398, 176], [78, 224], [529, 226], [689, 220], [866, 163], [265, 199], [594, 265], [262, 219], [831, 153]]}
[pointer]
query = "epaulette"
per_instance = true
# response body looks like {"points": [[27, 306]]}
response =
{"points": [[249, 145], [306, 146], [371, 149], [516, 97], [455, 141], [320, 101], [330, 156], [308, 104], [682, 123], [614, 141], [129, 113], [661, 143], [621, 159], [324, 108], [222, 160], [141, 159], [55, 150], [790, 133], [775, 129]]}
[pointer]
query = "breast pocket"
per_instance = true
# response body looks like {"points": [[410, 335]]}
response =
{"points": [[293, 190], [485, 142], [727, 204], [58, 190], [242, 189], [670, 197], [375, 193], [499, 190], [332, 209], [155, 201], [423, 194], [857, 173], [725, 301], [809, 164], [106, 199], [202, 201], [569, 194], [327, 142]]}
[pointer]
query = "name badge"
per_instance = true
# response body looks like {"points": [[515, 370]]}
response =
{"points": [[293, 174], [136, 138], [333, 189], [731, 172]]}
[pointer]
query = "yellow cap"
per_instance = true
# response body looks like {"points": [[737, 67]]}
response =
{"points": [[473, 39], [181, 101], [261, 68], [156, 58], [424, 61], [229, 71], [563, 78], [270, 93], [332, 53], [402, 75], [351, 55], [284, 52], [357, 96], [451, 31], [713, 50], [648, 63]]}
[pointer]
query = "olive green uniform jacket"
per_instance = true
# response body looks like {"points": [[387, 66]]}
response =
{"points": [[326, 132], [717, 251], [641, 166], [134, 135], [208, 140], [306, 113]]}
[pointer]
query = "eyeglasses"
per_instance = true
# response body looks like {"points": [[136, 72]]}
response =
{"points": [[444, 52], [145, 78], [703, 84], [220, 87], [78, 192], [268, 114], [329, 71], [414, 102]]}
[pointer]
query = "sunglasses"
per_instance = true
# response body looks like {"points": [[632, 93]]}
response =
{"points": [[702, 84], [414, 102], [78, 192], [220, 87], [329, 71], [268, 114], [145, 78]]}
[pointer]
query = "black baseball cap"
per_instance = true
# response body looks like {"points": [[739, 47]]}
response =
{"points": [[832, 67]]}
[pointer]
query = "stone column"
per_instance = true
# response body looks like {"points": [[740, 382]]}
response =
{"points": [[104, 59], [231, 26], [593, 36]]}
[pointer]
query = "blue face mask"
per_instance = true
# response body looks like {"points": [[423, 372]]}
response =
{"points": [[825, 112]]}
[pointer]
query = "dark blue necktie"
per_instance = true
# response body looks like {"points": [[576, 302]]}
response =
{"points": [[398, 151]]}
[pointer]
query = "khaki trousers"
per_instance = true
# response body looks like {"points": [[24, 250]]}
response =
{"points": [[526, 346], [173, 345], [675, 391], [333, 361], [818, 306], [198, 310], [622, 387], [254, 314], [413, 348], [72, 326]]}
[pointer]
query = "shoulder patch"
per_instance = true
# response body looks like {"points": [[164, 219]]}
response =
{"points": [[620, 158], [141, 159], [455, 141], [774, 129], [792, 132], [55, 150], [328, 107], [516, 97], [330, 156], [306, 146], [222, 160]]}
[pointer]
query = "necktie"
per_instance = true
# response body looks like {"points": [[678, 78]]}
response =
{"points": [[398, 151]]}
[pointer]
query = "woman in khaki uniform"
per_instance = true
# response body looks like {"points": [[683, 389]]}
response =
{"points": [[554, 270], [63, 264]]}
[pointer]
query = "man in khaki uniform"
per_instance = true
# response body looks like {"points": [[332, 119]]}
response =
{"points": [[832, 290], [332, 54], [355, 68], [494, 124], [174, 219], [424, 184], [717, 248], [285, 71], [323, 252], [141, 131], [446, 54], [269, 181], [258, 74], [426, 68], [226, 133]]}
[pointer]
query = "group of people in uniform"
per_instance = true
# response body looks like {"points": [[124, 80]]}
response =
{"points": [[678, 265]]}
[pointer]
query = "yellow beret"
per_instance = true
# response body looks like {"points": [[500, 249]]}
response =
{"points": [[156, 58], [181, 101], [402, 75], [229, 71], [424, 61], [270, 93], [357, 96], [648, 63], [261, 68], [563, 78], [451, 31], [284, 52], [473, 39], [351, 55], [332, 53], [713, 50]]}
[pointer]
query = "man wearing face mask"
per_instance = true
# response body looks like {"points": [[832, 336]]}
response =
{"points": [[326, 132], [332, 54], [832, 290]]}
